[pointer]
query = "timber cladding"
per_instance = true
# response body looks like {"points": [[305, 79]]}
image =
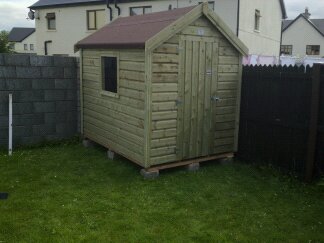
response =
{"points": [[177, 98]]}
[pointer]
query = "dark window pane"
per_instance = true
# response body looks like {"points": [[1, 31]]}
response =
{"points": [[110, 74]]}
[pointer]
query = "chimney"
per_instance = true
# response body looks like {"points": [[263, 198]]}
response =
{"points": [[307, 14]]}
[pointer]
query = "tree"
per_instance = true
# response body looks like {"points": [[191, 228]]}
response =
{"points": [[4, 42]]}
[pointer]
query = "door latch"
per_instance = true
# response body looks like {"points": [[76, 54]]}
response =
{"points": [[215, 98]]}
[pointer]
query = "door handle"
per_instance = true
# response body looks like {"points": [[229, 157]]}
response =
{"points": [[215, 98]]}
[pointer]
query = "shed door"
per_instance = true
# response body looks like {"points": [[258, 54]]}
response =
{"points": [[197, 98]]}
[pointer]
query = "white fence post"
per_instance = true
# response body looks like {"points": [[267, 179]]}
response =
{"points": [[10, 125]]}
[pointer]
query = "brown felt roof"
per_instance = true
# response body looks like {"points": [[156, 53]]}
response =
{"points": [[133, 31]]}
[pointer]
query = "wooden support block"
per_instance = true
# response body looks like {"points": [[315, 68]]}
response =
{"points": [[151, 174], [87, 143], [193, 167], [111, 154]]}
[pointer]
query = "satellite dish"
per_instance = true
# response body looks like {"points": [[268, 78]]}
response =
{"points": [[31, 15]]}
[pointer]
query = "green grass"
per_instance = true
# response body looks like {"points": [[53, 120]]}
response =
{"points": [[69, 194]]}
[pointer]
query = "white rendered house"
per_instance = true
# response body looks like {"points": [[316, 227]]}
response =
{"points": [[62, 23], [23, 40], [303, 36]]}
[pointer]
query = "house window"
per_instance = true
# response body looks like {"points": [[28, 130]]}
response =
{"points": [[257, 18], [312, 50], [25, 47], [12, 46], [140, 10], [211, 4], [96, 19], [286, 49], [31, 46], [110, 73], [51, 21]]}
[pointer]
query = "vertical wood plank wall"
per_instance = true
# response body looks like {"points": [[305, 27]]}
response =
{"points": [[117, 123], [165, 89]]}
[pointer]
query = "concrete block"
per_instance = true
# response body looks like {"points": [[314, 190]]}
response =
{"points": [[65, 84], [7, 72], [3, 84], [150, 174], [71, 95], [52, 72], [17, 60], [28, 96], [62, 106], [61, 61], [43, 84], [111, 155], [4, 96], [193, 167], [43, 129], [31, 140], [22, 131], [2, 59], [226, 161], [41, 61], [88, 143], [54, 95], [70, 72], [28, 119], [45, 107], [3, 121], [22, 108], [17, 84], [28, 72], [66, 129]]}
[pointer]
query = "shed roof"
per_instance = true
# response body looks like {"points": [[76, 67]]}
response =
{"points": [[132, 31], [138, 31], [18, 34]]}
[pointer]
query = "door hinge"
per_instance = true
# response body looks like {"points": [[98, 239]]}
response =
{"points": [[178, 102]]}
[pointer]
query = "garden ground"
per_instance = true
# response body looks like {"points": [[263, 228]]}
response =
{"points": [[66, 193]]}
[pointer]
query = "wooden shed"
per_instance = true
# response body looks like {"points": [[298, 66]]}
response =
{"points": [[163, 88]]}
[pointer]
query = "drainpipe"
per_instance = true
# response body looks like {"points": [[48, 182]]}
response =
{"points": [[118, 8], [238, 18], [110, 10], [45, 45]]}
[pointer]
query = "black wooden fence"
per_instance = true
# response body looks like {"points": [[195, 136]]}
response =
{"points": [[282, 118]]}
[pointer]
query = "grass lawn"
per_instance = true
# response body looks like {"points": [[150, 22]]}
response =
{"points": [[68, 193]]}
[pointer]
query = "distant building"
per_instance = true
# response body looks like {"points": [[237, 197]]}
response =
{"points": [[303, 36], [62, 23], [23, 40]]}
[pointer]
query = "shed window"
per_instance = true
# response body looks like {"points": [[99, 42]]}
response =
{"points": [[96, 19], [110, 73], [257, 18], [286, 49], [51, 21], [211, 4], [25, 47], [31, 47], [140, 10], [312, 50]]}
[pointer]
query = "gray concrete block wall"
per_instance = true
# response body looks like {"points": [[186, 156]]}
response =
{"points": [[45, 97]]}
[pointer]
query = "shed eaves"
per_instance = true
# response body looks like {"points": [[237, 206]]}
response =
{"points": [[133, 31], [18, 34]]}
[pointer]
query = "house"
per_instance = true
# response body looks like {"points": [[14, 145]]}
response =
{"points": [[163, 87], [23, 40], [62, 23], [303, 36]]}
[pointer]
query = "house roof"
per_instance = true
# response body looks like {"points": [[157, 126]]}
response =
{"points": [[59, 3], [18, 34], [147, 30], [317, 24]]}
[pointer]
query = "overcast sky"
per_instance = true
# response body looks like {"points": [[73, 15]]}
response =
{"points": [[14, 12]]}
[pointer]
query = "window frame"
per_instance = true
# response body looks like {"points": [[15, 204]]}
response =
{"points": [[102, 75], [95, 18], [51, 17], [319, 50], [31, 47], [257, 20], [25, 47], [286, 47], [142, 7]]}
